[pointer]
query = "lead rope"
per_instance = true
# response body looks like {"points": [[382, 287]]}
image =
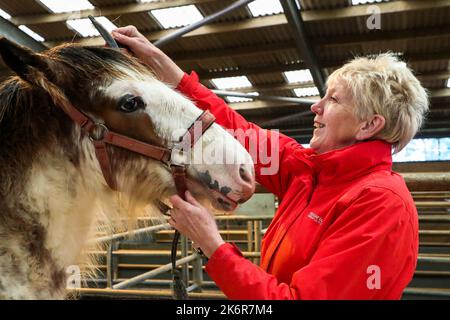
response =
{"points": [[179, 287]]}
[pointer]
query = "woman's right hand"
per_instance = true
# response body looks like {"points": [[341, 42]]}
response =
{"points": [[143, 49]]}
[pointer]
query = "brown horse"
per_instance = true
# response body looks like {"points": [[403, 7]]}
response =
{"points": [[51, 183]]}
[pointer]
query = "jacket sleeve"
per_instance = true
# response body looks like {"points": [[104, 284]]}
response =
{"points": [[270, 150], [369, 252]]}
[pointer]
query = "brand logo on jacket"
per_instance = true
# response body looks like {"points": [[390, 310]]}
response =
{"points": [[315, 217]]}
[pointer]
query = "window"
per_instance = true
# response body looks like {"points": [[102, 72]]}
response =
{"points": [[425, 150]]}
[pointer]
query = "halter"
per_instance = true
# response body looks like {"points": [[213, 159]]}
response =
{"points": [[101, 136]]}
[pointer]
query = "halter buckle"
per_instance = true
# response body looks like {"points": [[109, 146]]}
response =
{"points": [[98, 132]]}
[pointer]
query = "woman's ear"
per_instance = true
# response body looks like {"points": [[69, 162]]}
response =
{"points": [[371, 127]]}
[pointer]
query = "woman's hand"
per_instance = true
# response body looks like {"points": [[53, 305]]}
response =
{"points": [[158, 61], [195, 222]]}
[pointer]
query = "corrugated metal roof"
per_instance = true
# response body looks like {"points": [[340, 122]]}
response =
{"points": [[423, 36]]}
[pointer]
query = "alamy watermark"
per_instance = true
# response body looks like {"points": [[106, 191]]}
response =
{"points": [[374, 20], [262, 145], [374, 280]]}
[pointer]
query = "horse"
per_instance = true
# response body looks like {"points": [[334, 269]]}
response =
{"points": [[52, 185]]}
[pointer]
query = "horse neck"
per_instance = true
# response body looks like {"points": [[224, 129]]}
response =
{"points": [[63, 201]]}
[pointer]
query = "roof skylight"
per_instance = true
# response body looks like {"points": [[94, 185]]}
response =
{"points": [[5, 14], [298, 76], [231, 99], [86, 29], [58, 6], [177, 16], [307, 92], [265, 7], [31, 33], [231, 82], [356, 2]]}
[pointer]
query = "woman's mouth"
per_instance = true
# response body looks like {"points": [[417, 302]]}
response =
{"points": [[318, 125]]}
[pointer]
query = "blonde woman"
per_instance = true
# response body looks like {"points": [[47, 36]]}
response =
{"points": [[346, 226]]}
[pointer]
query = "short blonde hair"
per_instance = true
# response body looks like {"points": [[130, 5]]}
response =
{"points": [[386, 86]]}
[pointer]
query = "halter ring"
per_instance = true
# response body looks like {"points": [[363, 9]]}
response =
{"points": [[98, 132]]}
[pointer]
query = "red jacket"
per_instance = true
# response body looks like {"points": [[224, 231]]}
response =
{"points": [[346, 227]]}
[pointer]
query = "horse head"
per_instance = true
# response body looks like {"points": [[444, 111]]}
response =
{"points": [[117, 91]]}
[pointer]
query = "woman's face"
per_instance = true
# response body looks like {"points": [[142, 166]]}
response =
{"points": [[336, 125]]}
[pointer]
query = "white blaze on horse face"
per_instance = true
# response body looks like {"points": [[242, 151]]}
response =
{"points": [[217, 155]]}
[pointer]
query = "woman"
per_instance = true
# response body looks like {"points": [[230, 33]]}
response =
{"points": [[346, 227]]}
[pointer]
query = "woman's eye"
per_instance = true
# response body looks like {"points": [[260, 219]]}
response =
{"points": [[334, 99], [130, 103]]}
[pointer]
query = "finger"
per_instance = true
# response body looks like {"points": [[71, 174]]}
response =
{"points": [[130, 31], [179, 203], [190, 198], [172, 222], [123, 39], [173, 213]]}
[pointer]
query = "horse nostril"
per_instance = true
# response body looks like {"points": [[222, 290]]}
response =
{"points": [[245, 175]]}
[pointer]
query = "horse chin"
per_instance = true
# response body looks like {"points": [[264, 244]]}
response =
{"points": [[217, 200]]}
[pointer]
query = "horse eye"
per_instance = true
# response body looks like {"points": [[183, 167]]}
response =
{"points": [[130, 103]]}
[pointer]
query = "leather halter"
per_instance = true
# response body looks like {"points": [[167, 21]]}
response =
{"points": [[100, 136]]}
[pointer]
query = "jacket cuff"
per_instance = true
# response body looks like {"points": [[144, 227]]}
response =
{"points": [[225, 251], [188, 83]]}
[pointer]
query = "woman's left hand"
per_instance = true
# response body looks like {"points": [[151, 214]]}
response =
{"points": [[195, 222]]}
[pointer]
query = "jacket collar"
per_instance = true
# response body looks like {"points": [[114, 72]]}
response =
{"points": [[348, 163]]}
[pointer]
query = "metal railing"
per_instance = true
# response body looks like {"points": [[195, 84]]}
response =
{"points": [[114, 285]]}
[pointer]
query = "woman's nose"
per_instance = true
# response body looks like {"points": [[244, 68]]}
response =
{"points": [[317, 107]]}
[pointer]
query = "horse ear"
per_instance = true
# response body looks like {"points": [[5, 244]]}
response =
{"points": [[20, 59]]}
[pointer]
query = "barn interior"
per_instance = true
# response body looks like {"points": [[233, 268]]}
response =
{"points": [[269, 59]]}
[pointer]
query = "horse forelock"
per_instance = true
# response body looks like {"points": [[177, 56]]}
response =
{"points": [[97, 64]]}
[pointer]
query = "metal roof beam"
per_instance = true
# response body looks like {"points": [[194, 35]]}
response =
{"points": [[254, 23], [277, 68], [435, 94], [114, 10], [216, 28], [196, 25], [308, 16], [303, 44], [327, 43], [10, 31]]}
